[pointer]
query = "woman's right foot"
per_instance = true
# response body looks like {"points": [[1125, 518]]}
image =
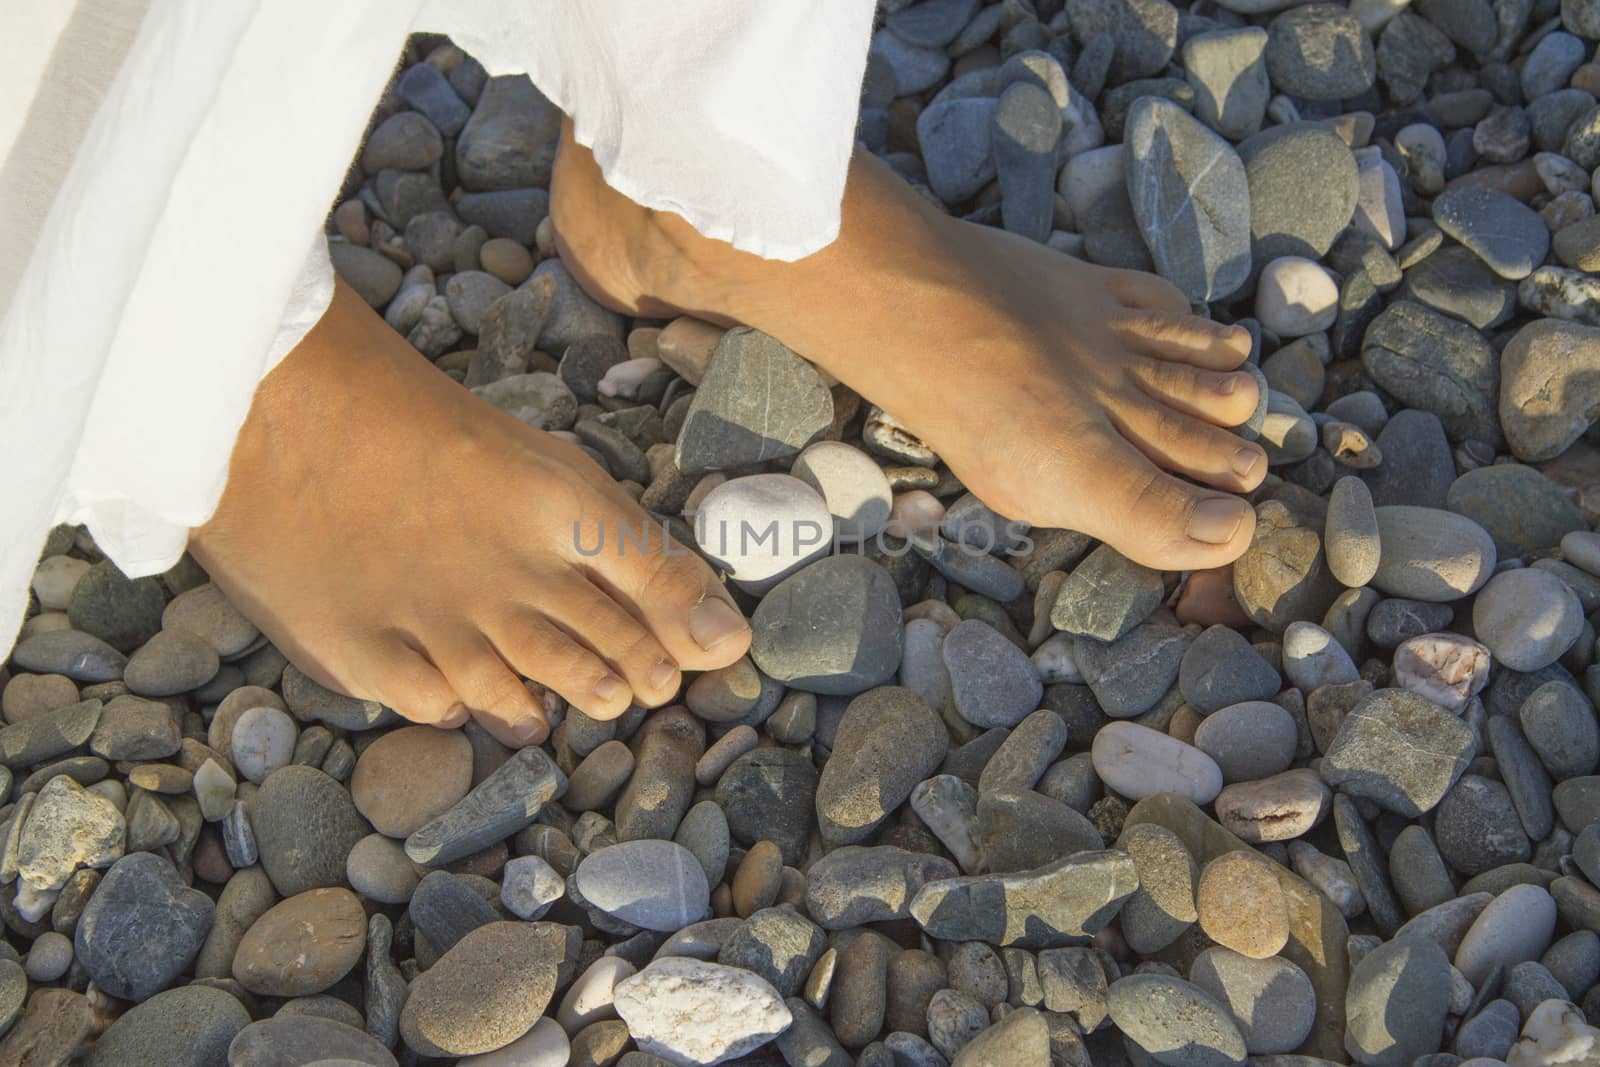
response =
{"points": [[1059, 392], [401, 540]]}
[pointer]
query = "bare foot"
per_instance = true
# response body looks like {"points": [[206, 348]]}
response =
{"points": [[401, 540], [1060, 392]]}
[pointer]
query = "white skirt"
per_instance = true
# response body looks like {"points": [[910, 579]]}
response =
{"points": [[169, 164]]}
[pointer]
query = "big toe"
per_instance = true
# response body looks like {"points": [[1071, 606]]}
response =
{"points": [[678, 598], [1154, 518]]}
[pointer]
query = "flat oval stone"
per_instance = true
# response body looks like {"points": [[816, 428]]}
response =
{"points": [[410, 776], [657, 885], [305, 826], [1350, 536], [1280, 808], [303, 945], [763, 526], [1516, 926], [1504, 232], [488, 990], [191, 1025], [305, 1039], [1272, 1000], [992, 681], [1396, 1003], [1526, 513], [1249, 741], [1139, 762], [1432, 555]]}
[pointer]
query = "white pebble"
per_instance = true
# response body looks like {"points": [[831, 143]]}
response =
{"points": [[1448, 669], [624, 379], [1056, 661], [263, 741], [529, 886], [55, 578], [1296, 296], [1139, 762], [589, 999], [763, 526], [852, 485], [1555, 1035], [1330, 875], [546, 1045]]}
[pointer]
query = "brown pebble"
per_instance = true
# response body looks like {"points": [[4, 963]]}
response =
{"points": [[162, 778], [303, 945], [758, 879], [1587, 78], [860, 993], [1241, 904], [722, 902], [53, 1027], [913, 978], [599, 1044]]}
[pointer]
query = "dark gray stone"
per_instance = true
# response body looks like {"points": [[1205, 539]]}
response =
{"points": [[506, 801], [1418, 463], [444, 909], [1400, 750], [1176, 1021], [141, 928], [991, 680], [1477, 827], [1455, 281], [1130, 675], [832, 627], [769, 794], [305, 826], [1437, 364], [1027, 126], [757, 401], [1221, 668], [1106, 595], [178, 1028]]}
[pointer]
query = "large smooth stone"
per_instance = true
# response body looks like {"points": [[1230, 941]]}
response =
{"points": [[833, 627], [1191, 198]]}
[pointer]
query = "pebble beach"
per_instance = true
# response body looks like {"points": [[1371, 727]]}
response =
{"points": [[980, 795]]}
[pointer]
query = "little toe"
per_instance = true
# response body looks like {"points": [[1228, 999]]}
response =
{"points": [[1188, 446], [400, 677], [1223, 398], [497, 698], [616, 636], [681, 601], [545, 652], [1184, 338]]}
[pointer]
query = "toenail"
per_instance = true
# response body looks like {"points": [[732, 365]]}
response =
{"points": [[1216, 519], [456, 715], [1244, 461], [713, 621], [528, 728], [608, 686], [662, 673]]}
